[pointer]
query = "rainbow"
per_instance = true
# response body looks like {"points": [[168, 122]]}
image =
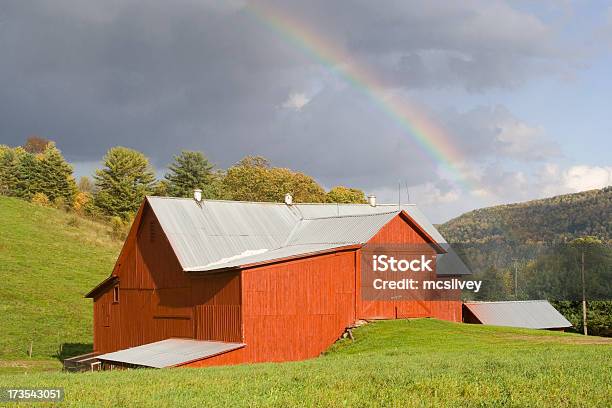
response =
{"points": [[414, 121]]}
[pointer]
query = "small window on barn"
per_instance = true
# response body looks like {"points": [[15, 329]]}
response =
{"points": [[152, 231], [116, 294]]}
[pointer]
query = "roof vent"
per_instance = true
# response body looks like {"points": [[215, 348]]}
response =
{"points": [[197, 195], [372, 200], [288, 199]]}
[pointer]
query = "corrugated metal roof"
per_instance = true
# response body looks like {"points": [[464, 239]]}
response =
{"points": [[318, 210], [347, 229], [203, 234], [169, 353], [532, 314], [220, 234]]}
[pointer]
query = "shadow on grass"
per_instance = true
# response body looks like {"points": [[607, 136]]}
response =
{"points": [[68, 350]]}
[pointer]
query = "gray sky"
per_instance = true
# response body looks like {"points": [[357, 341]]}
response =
{"points": [[521, 92]]}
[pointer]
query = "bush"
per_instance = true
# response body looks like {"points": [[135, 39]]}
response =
{"points": [[60, 203], [40, 199], [119, 228], [83, 203]]}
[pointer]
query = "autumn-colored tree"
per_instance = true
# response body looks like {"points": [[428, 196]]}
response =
{"points": [[36, 144], [254, 179], [127, 177], [341, 194]]}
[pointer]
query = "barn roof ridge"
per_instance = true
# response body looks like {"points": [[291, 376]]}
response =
{"points": [[220, 230], [204, 200], [353, 215]]}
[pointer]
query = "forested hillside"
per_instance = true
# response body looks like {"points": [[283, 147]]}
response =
{"points": [[550, 220], [533, 250]]}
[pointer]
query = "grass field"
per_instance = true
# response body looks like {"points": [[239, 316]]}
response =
{"points": [[48, 260], [394, 363]]}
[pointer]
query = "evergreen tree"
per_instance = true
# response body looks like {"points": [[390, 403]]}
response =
{"points": [[8, 170], [127, 177], [189, 171], [54, 177], [27, 173]]}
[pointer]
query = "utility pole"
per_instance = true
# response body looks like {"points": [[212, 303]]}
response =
{"points": [[584, 306], [515, 263], [515, 280]]}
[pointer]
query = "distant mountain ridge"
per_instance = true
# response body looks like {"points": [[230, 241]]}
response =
{"points": [[549, 220]]}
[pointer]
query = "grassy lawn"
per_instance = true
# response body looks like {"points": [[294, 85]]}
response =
{"points": [[393, 363], [48, 260]]}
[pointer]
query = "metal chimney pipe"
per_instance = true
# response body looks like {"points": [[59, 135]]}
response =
{"points": [[197, 195], [372, 200]]}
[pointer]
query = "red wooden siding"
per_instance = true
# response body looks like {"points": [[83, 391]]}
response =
{"points": [[295, 310], [401, 230]]}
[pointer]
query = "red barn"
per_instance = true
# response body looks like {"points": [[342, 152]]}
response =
{"points": [[221, 282]]}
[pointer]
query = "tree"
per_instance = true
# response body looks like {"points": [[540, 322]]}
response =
{"points": [[190, 170], [254, 179], [54, 177], [160, 189], [8, 170], [585, 245], [27, 172], [85, 185], [36, 144], [127, 177], [341, 194], [493, 285]]}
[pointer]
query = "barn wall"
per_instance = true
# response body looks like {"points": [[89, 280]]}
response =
{"points": [[106, 322], [217, 309], [401, 230], [297, 309]]}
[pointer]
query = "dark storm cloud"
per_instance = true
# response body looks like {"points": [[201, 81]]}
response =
{"points": [[162, 76]]}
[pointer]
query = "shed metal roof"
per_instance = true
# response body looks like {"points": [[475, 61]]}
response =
{"points": [[221, 234], [532, 314], [169, 352]]}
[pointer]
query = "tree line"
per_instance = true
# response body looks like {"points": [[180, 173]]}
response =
{"points": [[38, 172]]}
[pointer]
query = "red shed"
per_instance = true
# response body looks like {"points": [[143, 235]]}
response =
{"points": [[247, 282]]}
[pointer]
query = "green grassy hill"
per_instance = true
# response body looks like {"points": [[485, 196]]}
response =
{"points": [[392, 363], [48, 260]]}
